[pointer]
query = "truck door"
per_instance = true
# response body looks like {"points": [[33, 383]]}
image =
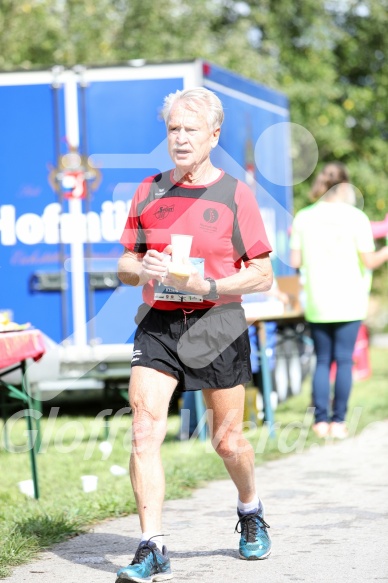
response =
{"points": [[29, 234]]}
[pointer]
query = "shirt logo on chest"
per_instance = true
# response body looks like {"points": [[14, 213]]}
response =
{"points": [[164, 211], [210, 215]]}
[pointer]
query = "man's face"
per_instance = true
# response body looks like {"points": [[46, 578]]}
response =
{"points": [[189, 138]]}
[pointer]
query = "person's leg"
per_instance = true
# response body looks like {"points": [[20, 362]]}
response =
{"points": [[188, 415], [344, 341], [225, 415], [150, 392], [322, 335]]}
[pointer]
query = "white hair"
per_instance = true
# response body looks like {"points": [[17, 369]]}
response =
{"points": [[193, 99]]}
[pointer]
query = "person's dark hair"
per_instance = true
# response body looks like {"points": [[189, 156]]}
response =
{"points": [[332, 174]]}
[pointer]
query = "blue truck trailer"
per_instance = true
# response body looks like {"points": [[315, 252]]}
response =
{"points": [[74, 146]]}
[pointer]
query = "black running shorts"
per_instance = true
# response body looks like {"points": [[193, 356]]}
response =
{"points": [[202, 349]]}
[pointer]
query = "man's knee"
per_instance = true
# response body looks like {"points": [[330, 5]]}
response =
{"points": [[231, 445], [148, 430]]}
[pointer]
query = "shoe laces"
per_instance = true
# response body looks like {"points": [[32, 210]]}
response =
{"points": [[144, 549], [250, 524]]}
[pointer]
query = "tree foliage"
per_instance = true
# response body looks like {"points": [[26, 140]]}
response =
{"points": [[328, 56]]}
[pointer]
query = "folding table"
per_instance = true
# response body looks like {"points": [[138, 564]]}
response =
{"points": [[15, 348]]}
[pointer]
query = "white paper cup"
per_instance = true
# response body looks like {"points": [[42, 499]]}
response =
{"points": [[27, 488], [181, 247], [105, 448], [89, 483]]}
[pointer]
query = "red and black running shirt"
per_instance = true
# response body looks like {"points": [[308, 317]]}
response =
{"points": [[223, 217]]}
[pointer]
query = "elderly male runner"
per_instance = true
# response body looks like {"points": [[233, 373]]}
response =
{"points": [[200, 341]]}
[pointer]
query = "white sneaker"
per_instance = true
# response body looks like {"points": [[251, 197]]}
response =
{"points": [[321, 429], [338, 430]]}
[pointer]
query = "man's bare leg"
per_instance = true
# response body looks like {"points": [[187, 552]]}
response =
{"points": [[225, 414], [150, 392], [226, 410]]}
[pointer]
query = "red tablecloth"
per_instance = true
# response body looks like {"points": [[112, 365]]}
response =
{"points": [[18, 346]]}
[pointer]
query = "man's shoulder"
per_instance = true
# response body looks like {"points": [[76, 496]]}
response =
{"points": [[227, 180], [161, 182], [154, 185], [156, 178]]}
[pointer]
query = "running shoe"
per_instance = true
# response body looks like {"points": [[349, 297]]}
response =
{"points": [[255, 542], [149, 564]]}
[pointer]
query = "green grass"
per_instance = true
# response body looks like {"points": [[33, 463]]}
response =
{"points": [[71, 449]]}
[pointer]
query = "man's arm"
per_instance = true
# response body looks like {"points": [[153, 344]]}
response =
{"points": [[130, 268], [257, 277], [138, 268]]}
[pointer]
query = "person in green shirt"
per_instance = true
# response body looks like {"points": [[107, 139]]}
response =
{"points": [[332, 243]]}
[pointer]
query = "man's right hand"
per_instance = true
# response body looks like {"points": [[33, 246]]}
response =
{"points": [[155, 264]]}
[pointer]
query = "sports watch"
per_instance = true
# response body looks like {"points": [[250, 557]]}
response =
{"points": [[212, 295]]}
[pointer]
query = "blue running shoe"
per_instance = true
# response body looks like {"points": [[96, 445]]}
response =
{"points": [[149, 564], [255, 542]]}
